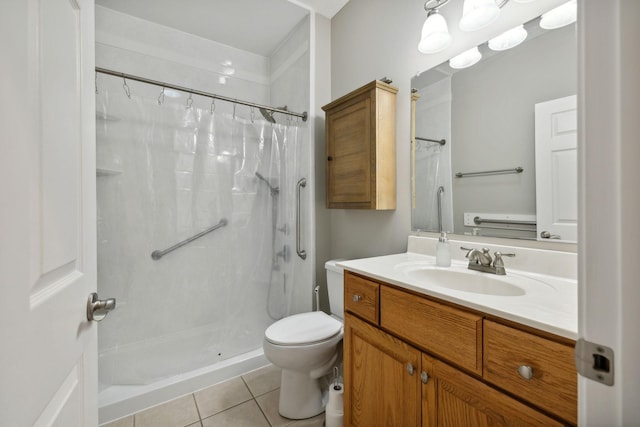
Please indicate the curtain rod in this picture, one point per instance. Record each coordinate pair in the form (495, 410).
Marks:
(198, 92)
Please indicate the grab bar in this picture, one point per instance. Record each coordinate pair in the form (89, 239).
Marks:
(437, 141)
(301, 252)
(495, 172)
(479, 220)
(157, 254)
(440, 191)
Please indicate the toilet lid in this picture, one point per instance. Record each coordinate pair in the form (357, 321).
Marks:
(303, 328)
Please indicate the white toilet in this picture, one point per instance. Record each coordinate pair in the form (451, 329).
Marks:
(306, 347)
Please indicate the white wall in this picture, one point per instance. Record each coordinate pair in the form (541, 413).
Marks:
(376, 38)
(135, 46)
(289, 70)
(320, 95)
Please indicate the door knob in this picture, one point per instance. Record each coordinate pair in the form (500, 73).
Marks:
(97, 309)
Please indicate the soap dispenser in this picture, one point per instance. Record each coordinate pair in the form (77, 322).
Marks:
(443, 253)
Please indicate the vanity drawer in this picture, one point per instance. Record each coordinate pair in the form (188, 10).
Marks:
(447, 332)
(361, 297)
(553, 384)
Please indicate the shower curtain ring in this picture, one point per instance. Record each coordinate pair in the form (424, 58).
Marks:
(190, 102)
(161, 97)
(126, 88)
(234, 111)
(97, 83)
(213, 105)
(253, 114)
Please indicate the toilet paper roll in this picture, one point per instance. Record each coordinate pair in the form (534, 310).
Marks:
(334, 413)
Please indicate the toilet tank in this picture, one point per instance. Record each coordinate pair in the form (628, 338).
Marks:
(335, 287)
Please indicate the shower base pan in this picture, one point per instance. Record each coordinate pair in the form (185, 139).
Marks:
(117, 401)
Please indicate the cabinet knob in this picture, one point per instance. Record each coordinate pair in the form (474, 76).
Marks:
(525, 371)
(424, 377)
(357, 298)
(410, 369)
(330, 158)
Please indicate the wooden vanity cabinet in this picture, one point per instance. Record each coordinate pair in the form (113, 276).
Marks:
(390, 383)
(360, 134)
(422, 362)
(382, 377)
(457, 399)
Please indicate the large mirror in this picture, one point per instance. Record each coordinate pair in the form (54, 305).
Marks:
(494, 144)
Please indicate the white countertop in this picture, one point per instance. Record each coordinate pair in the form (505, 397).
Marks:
(549, 303)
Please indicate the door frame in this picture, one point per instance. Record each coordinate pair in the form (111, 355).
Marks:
(609, 203)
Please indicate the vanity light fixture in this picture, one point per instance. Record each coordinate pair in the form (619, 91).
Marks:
(435, 32)
(466, 58)
(508, 39)
(562, 15)
(478, 14)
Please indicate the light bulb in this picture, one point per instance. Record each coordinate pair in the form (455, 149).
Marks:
(508, 39)
(435, 34)
(477, 14)
(466, 58)
(562, 15)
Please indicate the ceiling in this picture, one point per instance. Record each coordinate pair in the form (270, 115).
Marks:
(256, 26)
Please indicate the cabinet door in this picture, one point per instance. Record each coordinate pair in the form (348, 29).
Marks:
(380, 390)
(465, 401)
(349, 155)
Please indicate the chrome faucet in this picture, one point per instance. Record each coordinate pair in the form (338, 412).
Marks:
(481, 260)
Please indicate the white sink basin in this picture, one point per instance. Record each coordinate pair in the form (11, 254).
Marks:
(461, 279)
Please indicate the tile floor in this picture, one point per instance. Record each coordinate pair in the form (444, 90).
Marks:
(250, 400)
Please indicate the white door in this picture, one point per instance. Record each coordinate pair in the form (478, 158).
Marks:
(609, 271)
(48, 360)
(556, 124)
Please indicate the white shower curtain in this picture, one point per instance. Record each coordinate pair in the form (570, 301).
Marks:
(167, 171)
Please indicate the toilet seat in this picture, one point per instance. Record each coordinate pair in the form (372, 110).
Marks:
(303, 328)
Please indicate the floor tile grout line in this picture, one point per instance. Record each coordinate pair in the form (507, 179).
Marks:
(255, 396)
(195, 401)
(247, 386)
(231, 407)
(263, 414)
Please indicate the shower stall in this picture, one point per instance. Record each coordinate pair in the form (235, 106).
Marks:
(200, 213)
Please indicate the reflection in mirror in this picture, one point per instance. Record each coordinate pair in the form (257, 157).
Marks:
(508, 167)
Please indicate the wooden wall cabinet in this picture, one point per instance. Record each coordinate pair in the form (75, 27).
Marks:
(401, 373)
(360, 139)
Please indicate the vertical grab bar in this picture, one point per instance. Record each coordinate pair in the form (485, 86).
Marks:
(440, 191)
(301, 252)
